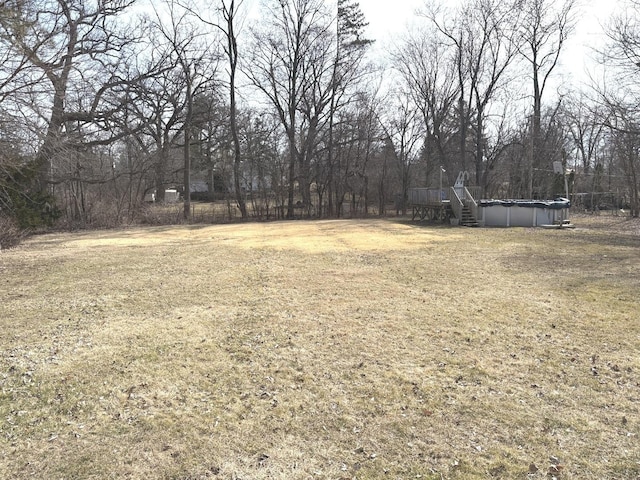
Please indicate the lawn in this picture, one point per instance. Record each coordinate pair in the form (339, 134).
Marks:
(322, 350)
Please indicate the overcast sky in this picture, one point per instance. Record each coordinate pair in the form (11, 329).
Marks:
(389, 19)
(385, 21)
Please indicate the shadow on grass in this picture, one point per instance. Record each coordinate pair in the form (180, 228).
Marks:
(612, 239)
(53, 239)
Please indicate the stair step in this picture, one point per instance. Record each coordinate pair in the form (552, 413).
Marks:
(467, 219)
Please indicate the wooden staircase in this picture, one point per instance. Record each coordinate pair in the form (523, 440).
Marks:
(467, 218)
(456, 204)
(463, 205)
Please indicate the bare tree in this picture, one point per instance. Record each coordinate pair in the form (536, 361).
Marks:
(17, 74)
(483, 37)
(428, 71)
(258, 132)
(544, 29)
(76, 46)
(227, 24)
(159, 112)
(626, 150)
(622, 51)
(229, 17)
(404, 130)
(355, 137)
(191, 55)
(621, 99)
(78, 63)
(585, 122)
(290, 65)
(348, 71)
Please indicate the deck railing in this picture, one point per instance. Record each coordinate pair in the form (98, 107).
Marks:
(457, 197)
(428, 196)
(456, 203)
(461, 197)
(471, 202)
(475, 192)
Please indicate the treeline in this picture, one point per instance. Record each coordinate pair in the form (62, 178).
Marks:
(107, 104)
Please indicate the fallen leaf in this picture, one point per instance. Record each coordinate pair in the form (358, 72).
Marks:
(262, 458)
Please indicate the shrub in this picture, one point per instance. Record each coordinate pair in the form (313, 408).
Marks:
(10, 234)
(30, 207)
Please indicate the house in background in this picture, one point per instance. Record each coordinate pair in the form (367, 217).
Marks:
(171, 195)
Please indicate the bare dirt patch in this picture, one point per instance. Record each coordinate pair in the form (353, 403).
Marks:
(332, 349)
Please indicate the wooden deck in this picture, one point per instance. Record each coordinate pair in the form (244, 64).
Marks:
(428, 196)
(430, 204)
(443, 204)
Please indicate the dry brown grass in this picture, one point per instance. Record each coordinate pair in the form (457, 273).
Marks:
(331, 350)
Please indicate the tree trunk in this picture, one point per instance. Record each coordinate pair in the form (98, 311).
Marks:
(292, 173)
(232, 52)
(187, 154)
(463, 136)
(481, 172)
(43, 161)
(536, 127)
(159, 177)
